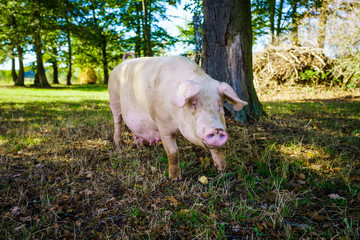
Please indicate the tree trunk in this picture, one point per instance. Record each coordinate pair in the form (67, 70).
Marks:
(55, 66)
(138, 31)
(147, 29)
(198, 41)
(13, 70)
(278, 26)
(39, 62)
(36, 79)
(227, 47)
(324, 11)
(21, 78)
(104, 59)
(295, 24)
(272, 8)
(69, 74)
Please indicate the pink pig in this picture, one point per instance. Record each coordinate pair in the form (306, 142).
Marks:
(160, 97)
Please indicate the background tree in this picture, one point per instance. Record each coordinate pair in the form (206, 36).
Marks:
(228, 51)
(140, 22)
(13, 34)
(324, 13)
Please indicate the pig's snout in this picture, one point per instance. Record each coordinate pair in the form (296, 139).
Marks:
(215, 138)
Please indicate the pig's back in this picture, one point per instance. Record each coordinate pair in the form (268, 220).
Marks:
(145, 86)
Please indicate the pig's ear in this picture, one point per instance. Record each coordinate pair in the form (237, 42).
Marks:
(185, 91)
(226, 91)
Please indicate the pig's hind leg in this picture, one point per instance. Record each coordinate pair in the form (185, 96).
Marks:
(116, 111)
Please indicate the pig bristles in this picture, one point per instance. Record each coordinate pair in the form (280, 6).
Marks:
(128, 54)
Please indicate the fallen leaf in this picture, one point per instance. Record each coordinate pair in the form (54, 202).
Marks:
(15, 211)
(213, 215)
(271, 196)
(173, 201)
(310, 155)
(78, 222)
(26, 219)
(205, 195)
(204, 180)
(357, 179)
(184, 211)
(315, 215)
(65, 197)
(301, 182)
(301, 176)
(86, 192)
(205, 161)
(335, 196)
(155, 207)
(316, 167)
(90, 175)
(299, 225)
(19, 228)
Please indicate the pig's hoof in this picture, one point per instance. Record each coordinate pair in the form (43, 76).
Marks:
(175, 178)
(118, 144)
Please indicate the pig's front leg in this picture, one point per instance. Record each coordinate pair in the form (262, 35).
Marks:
(169, 142)
(219, 159)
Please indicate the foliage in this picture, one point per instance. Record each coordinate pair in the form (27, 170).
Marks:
(99, 30)
(313, 76)
(294, 175)
(5, 75)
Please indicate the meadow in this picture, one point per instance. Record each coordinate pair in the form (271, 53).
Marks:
(294, 174)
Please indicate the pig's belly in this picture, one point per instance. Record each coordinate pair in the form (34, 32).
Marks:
(142, 126)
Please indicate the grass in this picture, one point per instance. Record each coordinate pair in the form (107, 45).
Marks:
(292, 175)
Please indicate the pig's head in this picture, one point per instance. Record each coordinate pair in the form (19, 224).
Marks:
(201, 113)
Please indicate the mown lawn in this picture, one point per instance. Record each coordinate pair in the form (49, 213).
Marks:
(293, 175)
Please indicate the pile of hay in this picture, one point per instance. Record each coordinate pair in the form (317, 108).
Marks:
(291, 65)
(87, 76)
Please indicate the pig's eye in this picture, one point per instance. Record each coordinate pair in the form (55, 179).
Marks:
(193, 104)
(219, 106)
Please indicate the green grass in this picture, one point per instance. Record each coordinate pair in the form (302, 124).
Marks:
(293, 175)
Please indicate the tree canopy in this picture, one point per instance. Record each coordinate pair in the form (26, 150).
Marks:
(80, 33)
(84, 33)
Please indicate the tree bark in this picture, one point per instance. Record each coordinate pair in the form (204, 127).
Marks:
(55, 66)
(20, 81)
(227, 47)
(69, 74)
(105, 60)
(149, 51)
(138, 30)
(39, 61)
(295, 23)
(324, 12)
(278, 26)
(68, 39)
(272, 8)
(13, 70)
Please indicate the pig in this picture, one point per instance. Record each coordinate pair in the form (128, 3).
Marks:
(160, 97)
